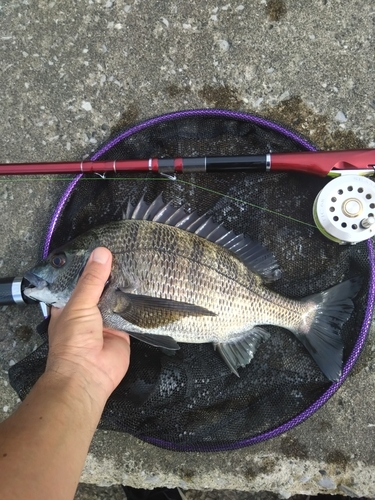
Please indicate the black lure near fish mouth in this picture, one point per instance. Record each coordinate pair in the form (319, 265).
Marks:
(179, 277)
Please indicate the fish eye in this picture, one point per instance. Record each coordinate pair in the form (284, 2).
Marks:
(58, 260)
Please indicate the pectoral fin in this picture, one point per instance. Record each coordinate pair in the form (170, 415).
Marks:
(240, 352)
(153, 312)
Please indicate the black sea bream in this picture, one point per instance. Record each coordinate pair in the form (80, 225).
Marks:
(178, 277)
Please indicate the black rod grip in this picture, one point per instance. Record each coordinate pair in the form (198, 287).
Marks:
(11, 291)
(236, 163)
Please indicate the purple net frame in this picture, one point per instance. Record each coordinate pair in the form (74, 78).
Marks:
(371, 292)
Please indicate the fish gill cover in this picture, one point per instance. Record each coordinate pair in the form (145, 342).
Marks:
(191, 400)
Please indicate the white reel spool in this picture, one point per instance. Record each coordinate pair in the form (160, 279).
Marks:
(344, 210)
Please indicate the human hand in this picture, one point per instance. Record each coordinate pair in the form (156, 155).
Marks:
(79, 346)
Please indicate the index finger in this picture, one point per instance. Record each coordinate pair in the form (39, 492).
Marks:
(93, 279)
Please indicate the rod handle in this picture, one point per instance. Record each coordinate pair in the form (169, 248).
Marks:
(11, 291)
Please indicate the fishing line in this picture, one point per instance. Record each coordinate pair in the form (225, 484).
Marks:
(166, 179)
(247, 203)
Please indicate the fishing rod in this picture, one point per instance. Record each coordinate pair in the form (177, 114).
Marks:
(11, 291)
(344, 211)
(322, 163)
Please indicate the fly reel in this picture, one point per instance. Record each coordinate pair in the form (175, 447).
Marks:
(344, 210)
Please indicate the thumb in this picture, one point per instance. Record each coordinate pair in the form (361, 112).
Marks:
(93, 279)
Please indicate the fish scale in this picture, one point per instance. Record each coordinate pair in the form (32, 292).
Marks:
(170, 283)
(208, 273)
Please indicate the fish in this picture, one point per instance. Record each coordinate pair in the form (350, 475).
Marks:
(180, 277)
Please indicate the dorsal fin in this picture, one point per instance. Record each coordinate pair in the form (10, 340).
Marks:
(253, 254)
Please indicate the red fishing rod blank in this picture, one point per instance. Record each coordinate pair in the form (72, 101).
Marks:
(322, 163)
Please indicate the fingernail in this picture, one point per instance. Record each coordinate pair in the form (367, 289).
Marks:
(100, 255)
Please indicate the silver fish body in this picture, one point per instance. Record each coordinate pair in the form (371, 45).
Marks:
(177, 277)
(186, 268)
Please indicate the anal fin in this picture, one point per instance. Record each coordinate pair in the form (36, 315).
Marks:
(239, 352)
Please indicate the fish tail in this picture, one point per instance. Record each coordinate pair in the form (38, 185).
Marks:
(320, 329)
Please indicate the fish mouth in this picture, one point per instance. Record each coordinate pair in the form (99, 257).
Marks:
(39, 289)
(35, 281)
(36, 287)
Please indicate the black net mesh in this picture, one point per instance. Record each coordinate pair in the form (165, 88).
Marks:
(191, 400)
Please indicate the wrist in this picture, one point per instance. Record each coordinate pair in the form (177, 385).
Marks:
(75, 393)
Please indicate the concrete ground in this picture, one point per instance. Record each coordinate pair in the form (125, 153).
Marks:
(73, 71)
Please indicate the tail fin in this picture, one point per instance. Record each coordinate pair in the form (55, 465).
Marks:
(320, 330)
